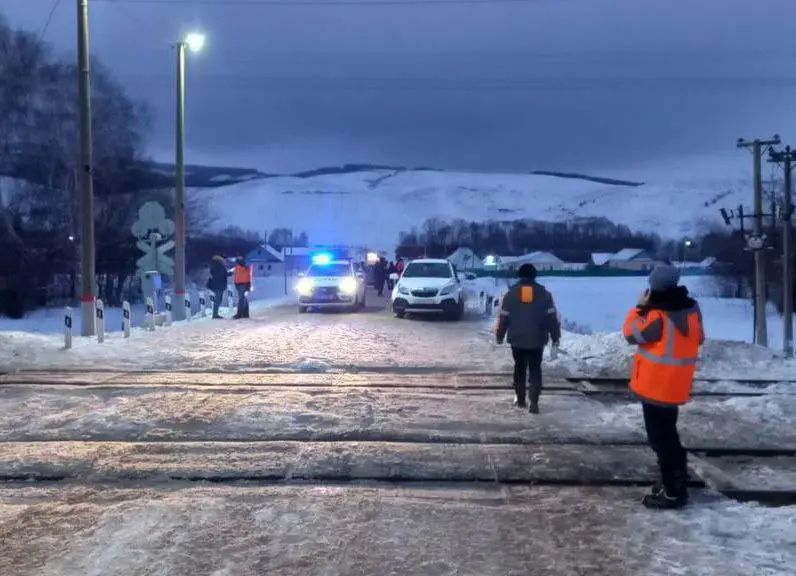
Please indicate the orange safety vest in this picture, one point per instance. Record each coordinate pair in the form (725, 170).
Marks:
(243, 274)
(663, 371)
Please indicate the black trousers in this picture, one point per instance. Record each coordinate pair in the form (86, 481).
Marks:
(218, 298)
(243, 302)
(661, 425)
(527, 368)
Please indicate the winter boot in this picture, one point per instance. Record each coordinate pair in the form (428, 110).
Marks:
(668, 498)
(534, 407)
(664, 501)
(519, 401)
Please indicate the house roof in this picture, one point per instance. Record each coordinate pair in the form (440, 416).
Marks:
(539, 256)
(627, 254)
(600, 258)
(265, 253)
(463, 251)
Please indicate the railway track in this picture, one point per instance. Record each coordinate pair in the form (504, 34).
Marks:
(401, 459)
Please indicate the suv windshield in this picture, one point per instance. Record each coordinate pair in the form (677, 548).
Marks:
(428, 270)
(329, 270)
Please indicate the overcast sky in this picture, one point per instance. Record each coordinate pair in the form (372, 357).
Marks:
(501, 86)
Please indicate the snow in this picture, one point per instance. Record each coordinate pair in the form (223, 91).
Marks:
(268, 291)
(592, 311)
(182, 529)
(373, 208)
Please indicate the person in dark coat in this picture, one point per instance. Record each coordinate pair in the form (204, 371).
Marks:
(217, 283)
(380, 275)
(390, 271)
(529, 318)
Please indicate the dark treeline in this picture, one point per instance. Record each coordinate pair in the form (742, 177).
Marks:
(39, 196)
(573, 241)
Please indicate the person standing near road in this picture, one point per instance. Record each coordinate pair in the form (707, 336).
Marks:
(528, 316)
(666, 325)
(242, 277)
(380, 275)
(217, 283)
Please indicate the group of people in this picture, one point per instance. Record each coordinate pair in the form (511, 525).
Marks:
(219, 278)
(665, 325)
(382, 274)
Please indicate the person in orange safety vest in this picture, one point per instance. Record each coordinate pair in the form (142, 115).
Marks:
(242, 278)
(666, 325)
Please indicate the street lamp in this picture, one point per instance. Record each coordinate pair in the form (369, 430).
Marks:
(193, 42)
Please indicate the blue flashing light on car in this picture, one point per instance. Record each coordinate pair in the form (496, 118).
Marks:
(322, 259)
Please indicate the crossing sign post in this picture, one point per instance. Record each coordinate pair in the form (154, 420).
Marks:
(151, 229)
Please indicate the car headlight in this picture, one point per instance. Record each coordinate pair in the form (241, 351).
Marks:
(347, 285)
(305, 286)
(403, 290)
(449, 289)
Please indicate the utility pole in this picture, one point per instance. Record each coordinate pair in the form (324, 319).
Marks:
(179, 206)
(787, 159)
(757, 146)
(88, 289)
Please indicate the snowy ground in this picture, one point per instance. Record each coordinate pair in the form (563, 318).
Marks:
(278, 337)
(267, 292)
(126, 445)
(341, 208)
(187, 530)
(326, 407)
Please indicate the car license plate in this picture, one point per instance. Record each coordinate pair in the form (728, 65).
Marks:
(325, 296)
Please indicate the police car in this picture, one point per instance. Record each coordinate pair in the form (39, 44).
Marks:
(331, 283)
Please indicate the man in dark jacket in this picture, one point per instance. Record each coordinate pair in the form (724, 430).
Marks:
(380, 275)
(217, 283)
(529, 318)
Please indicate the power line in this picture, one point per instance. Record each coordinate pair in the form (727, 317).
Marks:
(531, 84)
(49, 20)
(294, 3)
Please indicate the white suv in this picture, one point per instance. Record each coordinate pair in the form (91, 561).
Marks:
(331, 284)
(429, 286)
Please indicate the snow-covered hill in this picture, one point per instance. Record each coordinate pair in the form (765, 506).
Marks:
(373, 207)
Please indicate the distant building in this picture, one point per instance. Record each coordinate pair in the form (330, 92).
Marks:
(542, 261)
(600, 258)
(632, 259)
(497, 262)
(465, 259)
(266, 261)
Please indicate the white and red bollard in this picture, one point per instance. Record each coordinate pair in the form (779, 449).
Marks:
(150, 313)
(126, 320)
(168, 310)
(67, 328)
(100, 321)
(203, 303)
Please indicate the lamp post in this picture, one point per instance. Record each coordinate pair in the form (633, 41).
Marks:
(88, 290)
(193, 42)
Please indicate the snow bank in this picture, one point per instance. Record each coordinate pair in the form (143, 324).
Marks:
(51, 320)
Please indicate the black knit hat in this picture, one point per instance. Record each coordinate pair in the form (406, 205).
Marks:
(527, 272)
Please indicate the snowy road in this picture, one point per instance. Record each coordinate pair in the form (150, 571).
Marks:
(328, 407)
(184, 529)
(358, 444)
(131, 452)
(278, 338)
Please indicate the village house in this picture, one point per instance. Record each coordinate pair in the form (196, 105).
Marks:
(266, 261)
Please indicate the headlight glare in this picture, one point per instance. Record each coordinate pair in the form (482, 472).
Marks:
(348, 285)
(305, 286)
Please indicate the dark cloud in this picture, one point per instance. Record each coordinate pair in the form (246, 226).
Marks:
(566, 84)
